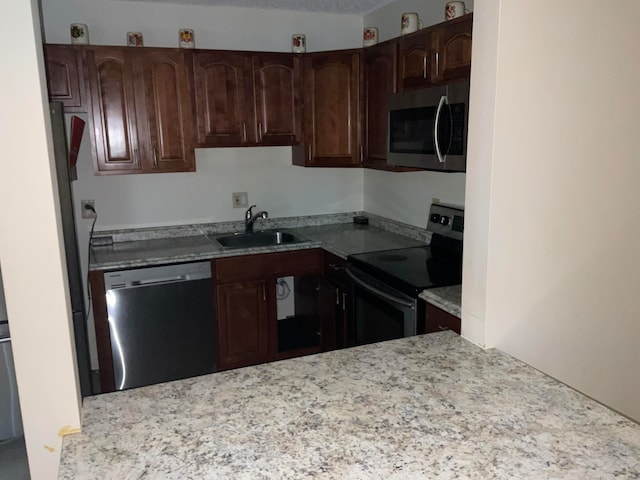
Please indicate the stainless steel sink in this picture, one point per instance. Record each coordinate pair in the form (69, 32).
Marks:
(258, 239)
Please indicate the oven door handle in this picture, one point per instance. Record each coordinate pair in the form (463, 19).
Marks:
(380, 293)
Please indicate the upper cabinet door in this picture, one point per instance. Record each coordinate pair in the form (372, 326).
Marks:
(415, 60)
(452, 42)
(65, 79)
(278, 84)
(168, 105)
(223, 97)
(114, 111)
(332, 109)
(380, 73)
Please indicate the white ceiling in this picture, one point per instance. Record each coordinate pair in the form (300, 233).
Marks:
(348, 7)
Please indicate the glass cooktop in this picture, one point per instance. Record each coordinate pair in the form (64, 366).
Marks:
(412, 270)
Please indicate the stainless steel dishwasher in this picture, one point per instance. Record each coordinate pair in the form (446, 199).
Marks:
(161, 323)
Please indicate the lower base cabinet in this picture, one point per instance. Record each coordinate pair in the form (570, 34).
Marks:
(268, 307)
(437, 320)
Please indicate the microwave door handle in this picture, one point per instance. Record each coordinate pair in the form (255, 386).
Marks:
(443, 100)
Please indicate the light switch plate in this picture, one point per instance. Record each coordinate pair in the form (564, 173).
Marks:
(240, 199)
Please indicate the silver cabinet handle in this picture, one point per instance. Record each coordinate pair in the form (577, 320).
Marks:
(309, 152)
(244, 132)
(344, 301)
(335, 267)
(155, 157)
(424, 67)
(260, 131)
(437, 63)
(337, 296)
(441, 158)
(361, 153)
(264, 292)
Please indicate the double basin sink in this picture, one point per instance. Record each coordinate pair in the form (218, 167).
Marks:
(264, 238)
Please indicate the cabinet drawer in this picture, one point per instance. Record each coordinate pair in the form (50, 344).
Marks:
(334, 269)
(438, 320)
(279, 264)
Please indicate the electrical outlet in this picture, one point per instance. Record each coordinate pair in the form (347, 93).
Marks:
(87, 213)
(240, 199)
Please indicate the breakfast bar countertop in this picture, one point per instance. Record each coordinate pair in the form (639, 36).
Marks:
(428, 406)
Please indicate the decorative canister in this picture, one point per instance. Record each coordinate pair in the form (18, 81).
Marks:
(187, 38)
(298, 43)
(79, 34)
(369, 36)
(134, 39)
(454, 10)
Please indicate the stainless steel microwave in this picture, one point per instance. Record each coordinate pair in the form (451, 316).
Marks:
(428, 128)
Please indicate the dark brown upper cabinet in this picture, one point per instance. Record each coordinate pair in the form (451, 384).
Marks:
(332, 105)
(380, 81)
(436, 54)
(141, 117)
(65, 76)
(278, 86)
(246, 99)
(452, 42)
(415, 60)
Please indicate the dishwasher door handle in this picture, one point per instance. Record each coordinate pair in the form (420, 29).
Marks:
(156, 281)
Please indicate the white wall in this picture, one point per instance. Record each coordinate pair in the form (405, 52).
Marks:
(219, 28)
(406, 197)
(387, 18)
(563, 258)
(31, 250)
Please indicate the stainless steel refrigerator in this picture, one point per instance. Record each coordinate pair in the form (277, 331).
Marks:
(71, 248)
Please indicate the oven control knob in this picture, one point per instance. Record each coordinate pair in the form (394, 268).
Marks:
(444, 220)
(435, 218)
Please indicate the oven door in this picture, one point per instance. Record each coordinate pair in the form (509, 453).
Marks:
(378, 312)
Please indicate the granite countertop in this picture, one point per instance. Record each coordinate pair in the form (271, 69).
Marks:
(428, 406)
(446, 298)
(341, 239)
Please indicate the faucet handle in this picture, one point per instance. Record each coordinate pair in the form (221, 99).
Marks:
(248, 213)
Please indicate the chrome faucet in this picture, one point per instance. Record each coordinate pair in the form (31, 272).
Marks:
(250, 219)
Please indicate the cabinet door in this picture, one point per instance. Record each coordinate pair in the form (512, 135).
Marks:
(332, 109)
(415, 60)
(168, 105)
(243, 329)
(453, 49)
(379, 82)
(116, 111)
(278, 85)
(65, 78)
(437, 320)
(223, 97)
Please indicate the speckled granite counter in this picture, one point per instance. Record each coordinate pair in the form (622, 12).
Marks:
(431, 406)
(342, 239)
(446, 298)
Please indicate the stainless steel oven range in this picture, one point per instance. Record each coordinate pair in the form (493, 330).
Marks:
(385, 285)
